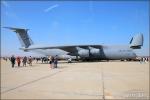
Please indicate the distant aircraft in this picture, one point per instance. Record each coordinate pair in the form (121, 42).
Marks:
(84, 52)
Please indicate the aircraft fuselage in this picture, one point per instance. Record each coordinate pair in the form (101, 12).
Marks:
(102, 53)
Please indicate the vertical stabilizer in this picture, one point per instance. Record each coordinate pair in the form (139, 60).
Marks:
(136, 41)
(23, 36)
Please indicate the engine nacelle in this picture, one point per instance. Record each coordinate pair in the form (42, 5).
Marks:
(83, 53)
(95, 52)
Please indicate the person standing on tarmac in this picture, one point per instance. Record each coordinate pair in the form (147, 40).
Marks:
(12, 59)
(30, 61)
(24, 61)
(55, 61)
(50, 61)
(18, 61)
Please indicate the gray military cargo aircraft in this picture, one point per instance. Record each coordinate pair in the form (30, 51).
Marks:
(84, 52)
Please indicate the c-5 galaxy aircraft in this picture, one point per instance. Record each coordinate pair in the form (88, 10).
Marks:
(84, 52)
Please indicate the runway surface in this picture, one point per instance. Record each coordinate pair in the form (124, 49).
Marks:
(86, 80)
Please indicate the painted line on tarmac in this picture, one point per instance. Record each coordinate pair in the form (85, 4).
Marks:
(30, 82)
(103, 85)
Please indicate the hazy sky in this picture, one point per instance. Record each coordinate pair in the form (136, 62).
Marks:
(72, 22)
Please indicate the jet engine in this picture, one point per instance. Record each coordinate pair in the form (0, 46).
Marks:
(95, 52)
(83, 53)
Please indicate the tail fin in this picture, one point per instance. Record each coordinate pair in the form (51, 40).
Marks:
(136, 41)
(23, 36)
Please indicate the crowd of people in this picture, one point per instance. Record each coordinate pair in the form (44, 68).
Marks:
(19, 59)
(28, 60)
(144, 59)
(52, 60)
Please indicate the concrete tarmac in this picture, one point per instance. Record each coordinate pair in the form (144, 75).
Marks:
(84, 80)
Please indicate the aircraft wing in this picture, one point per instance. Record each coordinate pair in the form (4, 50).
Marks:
(70, 49)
